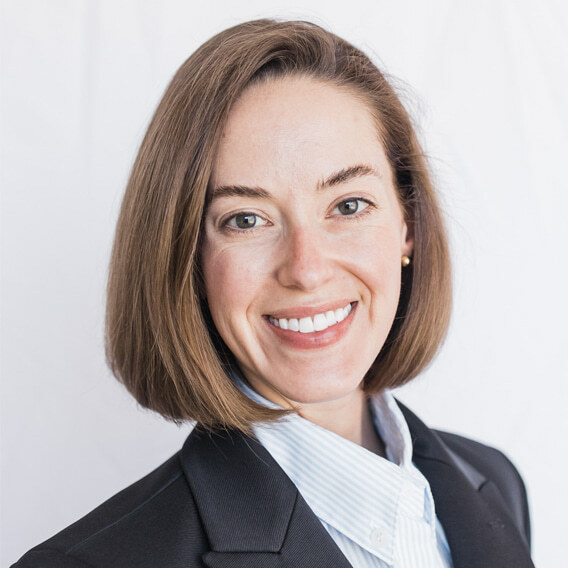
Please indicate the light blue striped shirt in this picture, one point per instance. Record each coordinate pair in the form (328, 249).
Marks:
(380, 512)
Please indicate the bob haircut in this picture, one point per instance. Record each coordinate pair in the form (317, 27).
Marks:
(160, 340)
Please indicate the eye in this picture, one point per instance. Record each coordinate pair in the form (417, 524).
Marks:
(351, 206)
(245, 221)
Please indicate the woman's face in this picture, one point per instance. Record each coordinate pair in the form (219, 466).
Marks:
(303, 240)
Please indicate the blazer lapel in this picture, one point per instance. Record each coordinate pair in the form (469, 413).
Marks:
(479, 531)
(251, 511)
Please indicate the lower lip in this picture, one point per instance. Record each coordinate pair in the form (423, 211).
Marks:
(315, 339)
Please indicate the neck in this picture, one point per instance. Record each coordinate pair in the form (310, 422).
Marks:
(349, 417)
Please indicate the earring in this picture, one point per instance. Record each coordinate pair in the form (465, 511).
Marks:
(405, 260)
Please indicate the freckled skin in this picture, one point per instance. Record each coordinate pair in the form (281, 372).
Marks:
(286, 136)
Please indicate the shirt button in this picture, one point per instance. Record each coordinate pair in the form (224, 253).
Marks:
(377, 537)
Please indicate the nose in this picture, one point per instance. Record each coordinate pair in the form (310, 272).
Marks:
(305, 260)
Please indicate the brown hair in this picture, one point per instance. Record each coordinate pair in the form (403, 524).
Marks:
(160, 341)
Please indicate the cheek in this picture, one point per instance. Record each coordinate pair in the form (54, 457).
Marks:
(232, 278)
(374, 256)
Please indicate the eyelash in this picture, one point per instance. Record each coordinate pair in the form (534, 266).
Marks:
(357, 214)
(352, 217)
(225, 223)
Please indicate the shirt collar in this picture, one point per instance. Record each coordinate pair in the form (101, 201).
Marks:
(335, 475)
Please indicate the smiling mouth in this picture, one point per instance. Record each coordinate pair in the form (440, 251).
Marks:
(319, 322)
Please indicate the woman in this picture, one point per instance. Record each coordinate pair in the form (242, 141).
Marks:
(280, 263)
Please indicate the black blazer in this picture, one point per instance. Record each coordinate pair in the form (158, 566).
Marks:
(223, 501)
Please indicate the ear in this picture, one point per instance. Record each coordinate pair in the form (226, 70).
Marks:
(407, 237)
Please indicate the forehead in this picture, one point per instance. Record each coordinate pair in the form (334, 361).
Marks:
(292, 129)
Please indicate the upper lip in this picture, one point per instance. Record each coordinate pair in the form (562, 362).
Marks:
(300, 312)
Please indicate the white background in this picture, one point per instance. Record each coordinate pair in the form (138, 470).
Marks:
(486, 82)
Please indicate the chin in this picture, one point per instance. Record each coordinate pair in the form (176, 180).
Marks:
(307, 390)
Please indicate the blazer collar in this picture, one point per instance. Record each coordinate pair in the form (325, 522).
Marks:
(251, 511)
(479, 530)
(254, 516)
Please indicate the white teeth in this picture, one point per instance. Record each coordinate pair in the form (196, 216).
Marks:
(318, 323)
(306, 325)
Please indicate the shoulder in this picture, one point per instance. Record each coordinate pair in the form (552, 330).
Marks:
(493, 463)
(133, 528)
(495, 467)
(487, 470)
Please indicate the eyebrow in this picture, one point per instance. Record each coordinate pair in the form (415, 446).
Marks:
(347, 174)
(341, 176)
